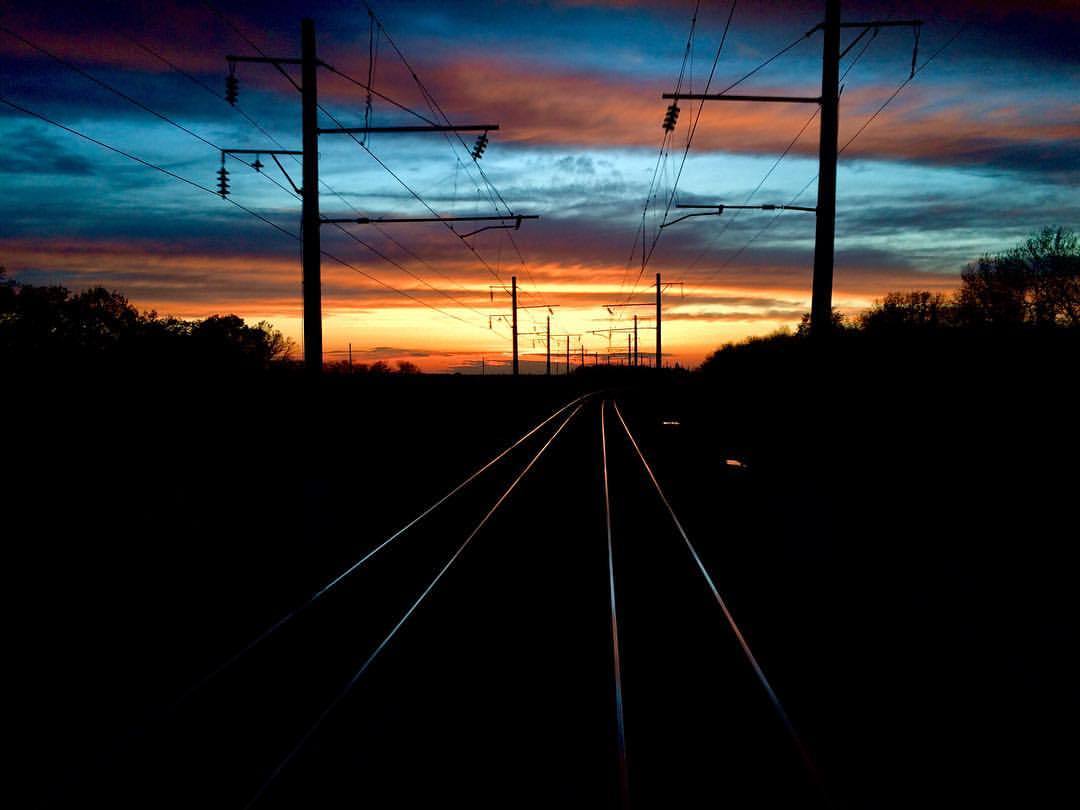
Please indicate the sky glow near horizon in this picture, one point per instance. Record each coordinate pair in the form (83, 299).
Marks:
(979, 150)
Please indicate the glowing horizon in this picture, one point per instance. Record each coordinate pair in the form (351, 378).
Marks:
(978, 151)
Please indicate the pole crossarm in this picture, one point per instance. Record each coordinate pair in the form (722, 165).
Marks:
(881, 24)
(762, 207)
(541, 306)
(734, 97)
(612, 306)
(871, 24)
(717, 210)
(393, 220)
(417, 128)
(266, 60)
(261, 152)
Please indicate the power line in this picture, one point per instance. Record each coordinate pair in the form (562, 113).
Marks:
(416, 195)
(668, 134)
(904, 84)
(197, 81)
(242, 207)
(404, 618)
(494, 194)
(188, 131)
(889, 100)
(776, 163)
(326, 112)
(645, 257)
(404, 269)
(368, 88)
(343, 199)
(146, 163)
(132, 100)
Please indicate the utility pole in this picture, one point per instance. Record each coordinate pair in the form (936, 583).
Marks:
(311, 219)
(825, 234)
(567, 354)
(513, 301)
(548, 372)
(828, 152)
(515, 334)
(659, 341)
(311, 245)
(633, 356)
(636, 358)
(350, 359)
(583, 355)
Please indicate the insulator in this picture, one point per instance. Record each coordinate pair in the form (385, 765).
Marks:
(232, 88)
(223, 182)
(481, 145)
(671, 117)
(257, 165)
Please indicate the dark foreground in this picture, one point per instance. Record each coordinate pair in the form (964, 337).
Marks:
(898, 556)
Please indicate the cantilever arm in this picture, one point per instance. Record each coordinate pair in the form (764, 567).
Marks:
(515, 227)
(715, 213)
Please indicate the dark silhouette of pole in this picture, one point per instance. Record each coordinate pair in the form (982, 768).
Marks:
(824, 247)
(350, 358)
(659, 341)
(637, 358)
(513, 303)
(567, 354)
(825, 230)
(548, 345)
(583, 355)
(311, 247)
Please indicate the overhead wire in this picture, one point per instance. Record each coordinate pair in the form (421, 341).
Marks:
(690, 137)
(252, 212)
(131, 99)
(341, 197)
(640, 232)
(772, 220)
(494, 195)
(787, 149)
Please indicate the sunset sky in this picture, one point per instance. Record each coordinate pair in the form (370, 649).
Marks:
(981, 148)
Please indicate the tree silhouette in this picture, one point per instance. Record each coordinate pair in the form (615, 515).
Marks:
(839, 323)
(1037, 283)
(49, 324)
(918, 309)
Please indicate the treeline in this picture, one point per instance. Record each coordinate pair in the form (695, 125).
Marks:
(49, 327)
(1028, 293)
(378, 368)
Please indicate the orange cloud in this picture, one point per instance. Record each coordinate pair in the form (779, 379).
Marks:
(541, 105)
